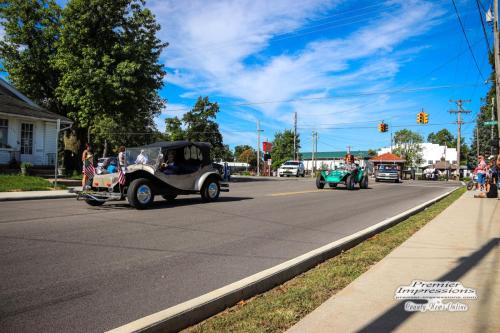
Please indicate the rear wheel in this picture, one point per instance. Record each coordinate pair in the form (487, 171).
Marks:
(350, 182)
(210, 190)
(320, 182)
(140, 193)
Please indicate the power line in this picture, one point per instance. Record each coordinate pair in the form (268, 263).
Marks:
(467, 39)
(482, 24)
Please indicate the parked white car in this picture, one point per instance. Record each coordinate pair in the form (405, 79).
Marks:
(292, 168)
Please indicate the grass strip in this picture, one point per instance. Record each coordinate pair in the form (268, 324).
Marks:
(17, 183)
(280, 308)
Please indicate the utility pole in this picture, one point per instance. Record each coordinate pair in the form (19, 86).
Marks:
(312, 155)
(459, 112)
(295, 135)
(497, 63)
(258, 147)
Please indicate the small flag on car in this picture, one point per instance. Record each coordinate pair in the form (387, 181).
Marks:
(121, 176)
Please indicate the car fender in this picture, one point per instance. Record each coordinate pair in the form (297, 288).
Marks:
(204, 177)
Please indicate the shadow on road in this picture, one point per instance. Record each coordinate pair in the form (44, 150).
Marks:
(160, 204)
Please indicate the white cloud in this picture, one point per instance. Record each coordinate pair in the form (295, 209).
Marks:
(211, 44)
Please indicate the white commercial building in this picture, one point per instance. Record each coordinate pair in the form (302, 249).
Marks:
(431, 153)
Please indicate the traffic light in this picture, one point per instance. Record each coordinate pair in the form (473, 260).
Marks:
(382, 127)
(419, 118)
(425, 118)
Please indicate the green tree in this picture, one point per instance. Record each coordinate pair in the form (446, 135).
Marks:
(173, 129)
(443, 138)
(407, 144)
(107, 54)
(200, 125)
(248, 156)
(239, 149)
(31, 30)
(486, 146)
(227, 154)
(283, 147)
(372, 152)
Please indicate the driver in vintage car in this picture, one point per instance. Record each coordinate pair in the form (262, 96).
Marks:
(350, 164)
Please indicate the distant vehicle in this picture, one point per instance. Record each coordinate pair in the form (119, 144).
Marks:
(292, 168)
(168, 169)
(388, 172)
(350, 175)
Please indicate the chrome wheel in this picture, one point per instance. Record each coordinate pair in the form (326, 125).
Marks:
(212, 190)
(144, 194)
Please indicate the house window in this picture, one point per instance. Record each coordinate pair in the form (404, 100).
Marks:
(27, 139)
(4, 131)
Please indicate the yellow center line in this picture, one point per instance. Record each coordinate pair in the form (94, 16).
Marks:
(293, 193)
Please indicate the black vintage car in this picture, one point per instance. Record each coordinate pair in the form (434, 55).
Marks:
(168, 169)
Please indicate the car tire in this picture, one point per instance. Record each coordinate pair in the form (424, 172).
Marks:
(140, 193)
(94, 203)
(349, 182)
(169, 197)
(210, 190)
(303, 174)
(320, 182)
(364, 183)
(377, 180)
(396, 181)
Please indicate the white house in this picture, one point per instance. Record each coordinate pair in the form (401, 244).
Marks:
(432, 153)
(27, 131)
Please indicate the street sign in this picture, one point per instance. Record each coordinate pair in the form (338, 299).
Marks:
(490, 123)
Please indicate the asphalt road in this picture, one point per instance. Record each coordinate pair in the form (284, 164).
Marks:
(69, 267)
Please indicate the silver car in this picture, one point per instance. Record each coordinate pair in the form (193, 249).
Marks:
(388, 172)
(167, 169)
(292, 168)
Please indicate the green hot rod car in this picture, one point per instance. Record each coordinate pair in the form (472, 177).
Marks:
(348, 174)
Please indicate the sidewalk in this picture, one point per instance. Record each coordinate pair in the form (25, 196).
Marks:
(461, 244)
(37, 195)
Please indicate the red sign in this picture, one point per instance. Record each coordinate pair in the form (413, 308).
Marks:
(267, 147)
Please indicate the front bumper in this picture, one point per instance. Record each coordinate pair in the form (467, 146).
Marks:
(289, 172)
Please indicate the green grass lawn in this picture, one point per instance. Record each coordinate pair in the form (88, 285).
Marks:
(282, 307)
(16, 183)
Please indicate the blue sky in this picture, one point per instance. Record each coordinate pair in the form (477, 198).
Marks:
(343, 66)
(354, 62)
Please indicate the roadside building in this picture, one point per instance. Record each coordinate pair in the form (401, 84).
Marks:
(330, 159)
(431, 153)
(27, 131)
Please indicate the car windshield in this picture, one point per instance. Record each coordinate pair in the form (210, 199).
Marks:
(388, 167)
(149, 156)
(291, 163)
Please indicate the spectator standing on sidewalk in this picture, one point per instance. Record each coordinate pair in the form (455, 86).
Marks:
(492, 181)
(481, 172)
(87, 153)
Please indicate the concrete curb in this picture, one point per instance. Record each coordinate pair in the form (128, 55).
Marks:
(34, 197)
(197, 309)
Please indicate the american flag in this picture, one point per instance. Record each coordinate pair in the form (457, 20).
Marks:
(121, 176)
(89, 169)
